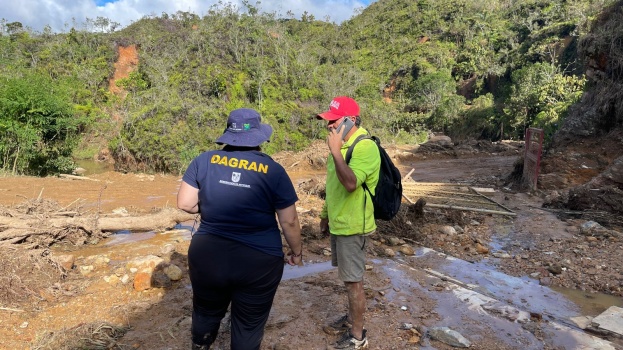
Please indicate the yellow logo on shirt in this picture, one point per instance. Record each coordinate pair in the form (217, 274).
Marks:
(239, 163)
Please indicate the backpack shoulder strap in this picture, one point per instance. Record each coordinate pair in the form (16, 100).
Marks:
(349, 152)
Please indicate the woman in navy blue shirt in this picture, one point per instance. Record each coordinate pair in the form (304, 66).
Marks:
(236, 255)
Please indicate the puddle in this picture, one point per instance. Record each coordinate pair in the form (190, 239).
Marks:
(503, 304)
(183, 230)
(123, 237)
(521, 292)
(93, 167)
(590, 304)
(586, 304)
(459, 309)
(291, 272)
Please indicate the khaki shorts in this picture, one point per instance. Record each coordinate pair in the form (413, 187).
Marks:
(348, 253)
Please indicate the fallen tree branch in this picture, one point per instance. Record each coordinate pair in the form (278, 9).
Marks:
(74, 177)
(9, 309)
(26, 226)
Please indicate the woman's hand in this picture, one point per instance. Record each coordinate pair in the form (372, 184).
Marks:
(295, 259)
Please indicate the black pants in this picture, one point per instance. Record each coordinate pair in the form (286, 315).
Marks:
(224, 271)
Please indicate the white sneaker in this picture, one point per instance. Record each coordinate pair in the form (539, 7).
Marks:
(349, 342)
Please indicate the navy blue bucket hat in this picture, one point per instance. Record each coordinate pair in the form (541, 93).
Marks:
(244, 129)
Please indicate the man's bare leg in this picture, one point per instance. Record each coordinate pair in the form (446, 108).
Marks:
(356, 306)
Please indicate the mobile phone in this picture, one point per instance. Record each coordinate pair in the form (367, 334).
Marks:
(345, 125)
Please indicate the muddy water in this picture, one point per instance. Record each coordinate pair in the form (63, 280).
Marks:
(588, 304)
(482, 298)
(93, 167)
(523, 293)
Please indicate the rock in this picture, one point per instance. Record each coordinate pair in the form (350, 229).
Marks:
(66, 261)
(112, 279)
(121, 211)
(481, 249)
(448, 230)
(160, 280)
(150, 261)
(79, 171)
(173, 272)
(591, 228)
(393, 241)
(415, 339)
(406, 326)
(167, 249)
(86, 270)
(555, 269)
(99, 260)
(389, 252)
(610, 320)
(441, 140)
(406, 250)
(449, 336)
(582, 321)
(142, 280)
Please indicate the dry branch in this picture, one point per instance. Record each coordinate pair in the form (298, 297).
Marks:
(74, 177)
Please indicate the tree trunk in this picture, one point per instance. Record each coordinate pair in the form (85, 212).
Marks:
(16, 228)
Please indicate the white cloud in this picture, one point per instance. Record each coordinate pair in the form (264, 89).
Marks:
(61, 15)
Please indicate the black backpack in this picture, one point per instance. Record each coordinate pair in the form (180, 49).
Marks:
(388, 195)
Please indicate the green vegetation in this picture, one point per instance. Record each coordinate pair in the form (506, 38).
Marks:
(470, 68)
(38, 126)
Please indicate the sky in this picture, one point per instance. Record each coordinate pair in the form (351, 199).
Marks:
(61, 15)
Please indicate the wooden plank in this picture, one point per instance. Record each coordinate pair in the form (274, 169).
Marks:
(471, 209)
(412, 190)
(456, 199)
(491, 200)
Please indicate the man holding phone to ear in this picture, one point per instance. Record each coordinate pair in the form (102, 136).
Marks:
(348, 213)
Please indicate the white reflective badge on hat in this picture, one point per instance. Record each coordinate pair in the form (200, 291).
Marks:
(235, 177)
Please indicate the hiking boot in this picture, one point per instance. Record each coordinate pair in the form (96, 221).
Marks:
(349, 342)
(338, 326)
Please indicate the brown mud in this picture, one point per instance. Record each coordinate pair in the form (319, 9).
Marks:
(489, 278)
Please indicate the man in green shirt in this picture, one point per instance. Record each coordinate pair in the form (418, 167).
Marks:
(348, 212)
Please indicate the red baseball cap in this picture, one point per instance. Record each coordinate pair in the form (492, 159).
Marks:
(341, 106)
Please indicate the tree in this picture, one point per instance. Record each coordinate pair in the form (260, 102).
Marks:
(38, 129)
(540, 97)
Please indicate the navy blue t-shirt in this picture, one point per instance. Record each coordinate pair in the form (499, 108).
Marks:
(239, 192)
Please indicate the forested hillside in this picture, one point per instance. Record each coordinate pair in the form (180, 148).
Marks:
(469, 68)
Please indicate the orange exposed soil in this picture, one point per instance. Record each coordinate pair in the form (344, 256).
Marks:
(126, 62)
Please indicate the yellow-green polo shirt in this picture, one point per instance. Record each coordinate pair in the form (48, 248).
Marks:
(344, 209)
